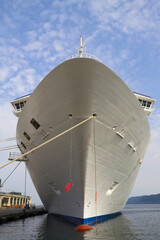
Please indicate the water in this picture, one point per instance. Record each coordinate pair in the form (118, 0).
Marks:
(137, 222)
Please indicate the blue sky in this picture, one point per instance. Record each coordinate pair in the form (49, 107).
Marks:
(35, 36)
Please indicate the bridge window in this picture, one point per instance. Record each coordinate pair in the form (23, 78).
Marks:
(23, 145)
(148, 104)
(35, 123)
(22, 104)
(17, 106)
(144, 103)
(27, 136)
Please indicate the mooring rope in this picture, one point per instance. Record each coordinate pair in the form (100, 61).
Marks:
(11, 173)
(71, 153)
(95, 158)
(8, 148)
(14, 138)
(50, 140)
(8, 139)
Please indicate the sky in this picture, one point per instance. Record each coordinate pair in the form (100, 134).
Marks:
(36, 36)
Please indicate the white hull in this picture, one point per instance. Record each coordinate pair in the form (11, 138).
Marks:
(82, 87)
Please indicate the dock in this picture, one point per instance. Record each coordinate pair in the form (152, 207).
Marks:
(13, 214)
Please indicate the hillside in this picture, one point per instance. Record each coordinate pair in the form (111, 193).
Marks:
(147, 199)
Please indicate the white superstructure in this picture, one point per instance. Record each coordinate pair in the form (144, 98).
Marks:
(102, 157)
(146, 102)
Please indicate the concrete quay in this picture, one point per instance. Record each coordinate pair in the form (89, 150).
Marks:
(13, 214)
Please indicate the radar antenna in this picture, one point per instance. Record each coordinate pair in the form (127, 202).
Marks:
(80, 51)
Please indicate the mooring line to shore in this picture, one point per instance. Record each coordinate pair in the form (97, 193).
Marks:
(50, 140)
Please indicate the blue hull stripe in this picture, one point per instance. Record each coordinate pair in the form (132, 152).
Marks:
(91, 220)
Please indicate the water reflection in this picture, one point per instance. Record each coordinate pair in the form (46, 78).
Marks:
(135, 223)
(57, 228)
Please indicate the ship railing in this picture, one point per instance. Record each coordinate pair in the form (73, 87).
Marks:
(85, 55)
(16, 112)
(148, 110)
(13, 155)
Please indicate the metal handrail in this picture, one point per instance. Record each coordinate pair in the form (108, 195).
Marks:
(85, 55)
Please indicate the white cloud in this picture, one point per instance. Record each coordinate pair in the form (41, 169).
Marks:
(15, 41)
(33, 46)
(11, 55)
(49, 14)
(31, 35)
(27, 76)
(22, 83)
(47, 25)
(8, 21)
(15, 67)
(47, 36)
(58, 46)
(4, 73)
(129, 17)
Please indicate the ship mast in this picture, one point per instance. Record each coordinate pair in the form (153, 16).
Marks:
(81, 47)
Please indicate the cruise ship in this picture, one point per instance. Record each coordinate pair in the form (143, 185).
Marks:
(85, 174)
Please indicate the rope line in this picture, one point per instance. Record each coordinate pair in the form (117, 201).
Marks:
(94, 133)
(25, 180)
(8, 148)
(50, 140)
(8, 139)
(11, 173)
(14, 138)
(71, 154)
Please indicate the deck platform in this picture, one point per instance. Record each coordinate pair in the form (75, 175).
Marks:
(13, 214)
